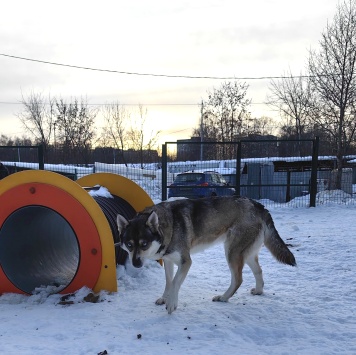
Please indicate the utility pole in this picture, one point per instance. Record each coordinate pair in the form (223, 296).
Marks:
(201, 130)
(54, 134)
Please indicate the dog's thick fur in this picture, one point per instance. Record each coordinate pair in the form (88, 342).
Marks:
(173, 230)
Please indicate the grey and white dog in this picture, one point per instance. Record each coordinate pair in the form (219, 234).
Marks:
(173, 230)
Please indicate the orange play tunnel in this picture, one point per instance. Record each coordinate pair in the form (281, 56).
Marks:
(54, 234)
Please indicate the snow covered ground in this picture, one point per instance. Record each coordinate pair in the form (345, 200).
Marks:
(309, 309)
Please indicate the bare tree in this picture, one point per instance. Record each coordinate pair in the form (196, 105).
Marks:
(225, 111)
(38, 117)
(141, 138)
(225, 115)
(6, 140)
(75, 126)
(262, 126)
(292, 96)
(115, 133)
(333, 79)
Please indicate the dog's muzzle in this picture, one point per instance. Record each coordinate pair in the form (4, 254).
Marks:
(136, 262)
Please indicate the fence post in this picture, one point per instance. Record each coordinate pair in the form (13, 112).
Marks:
(238, 169)
(40, 157)
(164, 171)
(314, 173)
(288, 186)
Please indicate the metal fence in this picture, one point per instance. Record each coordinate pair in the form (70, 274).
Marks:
(251, 167)
(256, 169)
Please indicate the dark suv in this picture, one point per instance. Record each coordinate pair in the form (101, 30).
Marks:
(199, 184)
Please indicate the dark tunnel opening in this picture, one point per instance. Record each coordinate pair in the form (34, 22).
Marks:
(38, 248)
(111, 207)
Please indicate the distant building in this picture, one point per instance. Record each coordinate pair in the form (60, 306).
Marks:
(188, 151)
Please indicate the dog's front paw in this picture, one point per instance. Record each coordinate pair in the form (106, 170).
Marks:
(160, 301)
(220, 298)
(171, 304)
(255, 291)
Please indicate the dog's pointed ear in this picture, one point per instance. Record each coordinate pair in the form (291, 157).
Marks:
(122, 223)
(152, 221)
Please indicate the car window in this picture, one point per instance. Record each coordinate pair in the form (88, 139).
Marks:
(222, 179)
(215, 178)
(192, 178)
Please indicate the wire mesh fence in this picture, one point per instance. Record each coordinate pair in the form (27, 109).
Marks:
(267, 176)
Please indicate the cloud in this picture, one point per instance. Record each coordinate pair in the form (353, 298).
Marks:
(199, 38)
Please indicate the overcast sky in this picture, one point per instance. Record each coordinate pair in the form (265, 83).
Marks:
(215, 38)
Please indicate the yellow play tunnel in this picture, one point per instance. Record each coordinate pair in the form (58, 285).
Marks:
(54, 234)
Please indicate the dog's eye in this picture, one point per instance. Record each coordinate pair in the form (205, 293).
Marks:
(129, 245)
(144, 244)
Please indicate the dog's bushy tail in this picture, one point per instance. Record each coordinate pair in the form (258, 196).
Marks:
(275, 243)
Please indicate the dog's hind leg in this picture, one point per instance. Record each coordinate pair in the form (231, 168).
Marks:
(252, 262)
(169, 270)
(236, 264)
